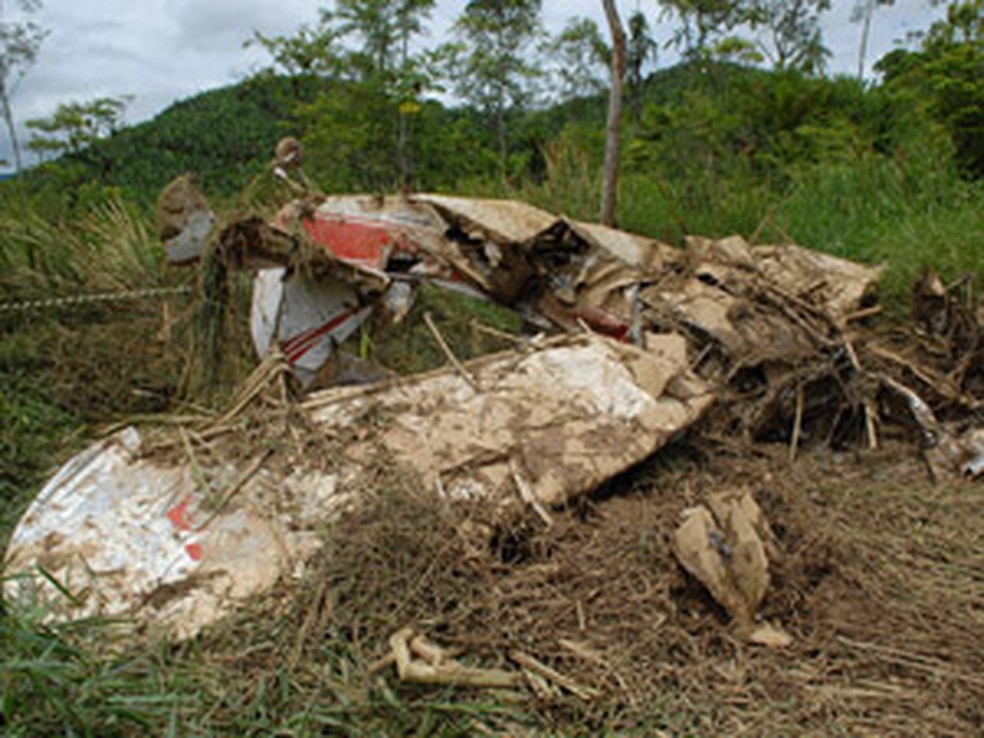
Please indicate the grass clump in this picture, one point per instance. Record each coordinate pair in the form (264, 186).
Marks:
(54, 683)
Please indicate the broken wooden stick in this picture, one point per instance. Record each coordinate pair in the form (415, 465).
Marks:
(527, 494)
(797, 425)
(448, 353)
(868, 408)
(496, 333)
(431, 652)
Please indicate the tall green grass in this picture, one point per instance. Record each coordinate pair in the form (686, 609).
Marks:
(881, 211)
(66, 368)
(52, 684)
(111, 247)
(874, 209)
(54, 681)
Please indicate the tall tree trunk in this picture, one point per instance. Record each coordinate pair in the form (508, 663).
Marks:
(403, 133)
(609, 191)
(500, 124)
(869, 9)
(8, 119)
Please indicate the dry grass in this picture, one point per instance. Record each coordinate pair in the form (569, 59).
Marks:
(880, 583)
(111, 248)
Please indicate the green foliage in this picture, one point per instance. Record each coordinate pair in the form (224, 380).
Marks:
(946, 78)
(792, 28)
(63, 370)
(583, 58)
(700, 22)
(489, 68)
(901, 214)
(55, 682)
(110, 248)
(224, 136)
(310, 52)
(32, 421)
(641, 48)
(361, 120)
(350, 134)
(737, 50)
(410, 347)
(572, 161)
(53, 685)
(383, 29)
(75, 126)
(20, 42)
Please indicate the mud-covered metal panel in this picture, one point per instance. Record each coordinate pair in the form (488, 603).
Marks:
(139, 534)
(503, 221)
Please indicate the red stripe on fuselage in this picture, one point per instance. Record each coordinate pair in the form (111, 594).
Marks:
(310, 338)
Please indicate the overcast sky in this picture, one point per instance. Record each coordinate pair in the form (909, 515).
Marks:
(159, 51)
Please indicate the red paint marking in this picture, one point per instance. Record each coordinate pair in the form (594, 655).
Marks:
(178, 515)
(604, 323)
(294, 341)
(309, 335)
(297, 349)
(194, 551)
(363, 244)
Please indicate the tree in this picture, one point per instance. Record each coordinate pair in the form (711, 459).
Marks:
(613, 131)
(862, 12)
(963, 26)
(382, 31)
(640, 49)
(364, 84)
(75, 126)
(580, 52)
(738, 50)
(702, 21)
(309, 52)
(19, 46)
(384, 28)
(947, 76)
(490, 68)
(793, 32)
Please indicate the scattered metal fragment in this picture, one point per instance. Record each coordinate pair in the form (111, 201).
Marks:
(727, 544)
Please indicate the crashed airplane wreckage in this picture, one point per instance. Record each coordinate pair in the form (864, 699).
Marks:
(173, 528)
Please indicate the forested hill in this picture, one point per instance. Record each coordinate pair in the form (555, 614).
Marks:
(220, 134)
(709, 117)
(227, 135)
(710, 146)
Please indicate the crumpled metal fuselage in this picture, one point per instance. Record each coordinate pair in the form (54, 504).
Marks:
(357, 254)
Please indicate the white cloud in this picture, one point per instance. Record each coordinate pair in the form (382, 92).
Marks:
(221, 26)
